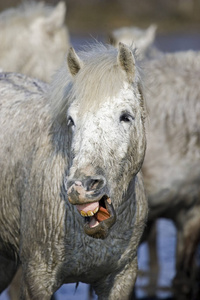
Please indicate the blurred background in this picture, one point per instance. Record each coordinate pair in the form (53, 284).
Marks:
(96, 18)
(104, 15)
(178, 28)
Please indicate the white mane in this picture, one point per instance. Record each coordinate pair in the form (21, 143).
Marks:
(99, 78)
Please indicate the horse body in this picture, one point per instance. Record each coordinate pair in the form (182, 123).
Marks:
(171, 167)
(61, 140)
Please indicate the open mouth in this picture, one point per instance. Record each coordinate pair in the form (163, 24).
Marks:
(99, 217)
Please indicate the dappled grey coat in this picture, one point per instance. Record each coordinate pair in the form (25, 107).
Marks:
(44, 135)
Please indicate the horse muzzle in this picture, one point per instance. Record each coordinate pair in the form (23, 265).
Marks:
(93, 203)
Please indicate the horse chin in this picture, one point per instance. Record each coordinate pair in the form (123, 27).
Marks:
(98, 226)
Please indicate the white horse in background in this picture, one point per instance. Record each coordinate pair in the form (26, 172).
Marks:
(33, 39)
(172, 164)
(143, 39)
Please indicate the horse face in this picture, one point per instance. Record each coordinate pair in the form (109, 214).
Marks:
(107, 150)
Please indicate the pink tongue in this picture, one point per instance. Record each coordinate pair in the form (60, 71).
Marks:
(89, 206)
(93, 222)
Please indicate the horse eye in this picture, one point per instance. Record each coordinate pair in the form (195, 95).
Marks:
(70, 121)
(126, 117)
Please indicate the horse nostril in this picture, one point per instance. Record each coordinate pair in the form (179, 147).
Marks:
(89, 184)
(93, 184)
(76, 183)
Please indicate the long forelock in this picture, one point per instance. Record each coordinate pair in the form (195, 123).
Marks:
(100, 78)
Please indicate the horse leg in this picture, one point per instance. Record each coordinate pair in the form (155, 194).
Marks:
(118, 286)
(38, 283)
(150, 237)
(8, 269)
(188, 234)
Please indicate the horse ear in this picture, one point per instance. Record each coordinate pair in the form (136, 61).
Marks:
(57, 18)
(126, 61)
(73, 61)
(52, 22)
(151, 33)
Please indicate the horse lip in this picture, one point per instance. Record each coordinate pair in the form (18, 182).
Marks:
(75, 198)
(101, 231)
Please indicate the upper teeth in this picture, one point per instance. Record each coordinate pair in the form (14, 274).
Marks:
(89, 213)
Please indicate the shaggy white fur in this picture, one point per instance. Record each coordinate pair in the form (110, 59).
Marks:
(33, 39)
(48, 139)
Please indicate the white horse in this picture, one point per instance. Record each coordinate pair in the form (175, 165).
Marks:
(73, 206)
(33, 39)
(172, 163)
(143, 39)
